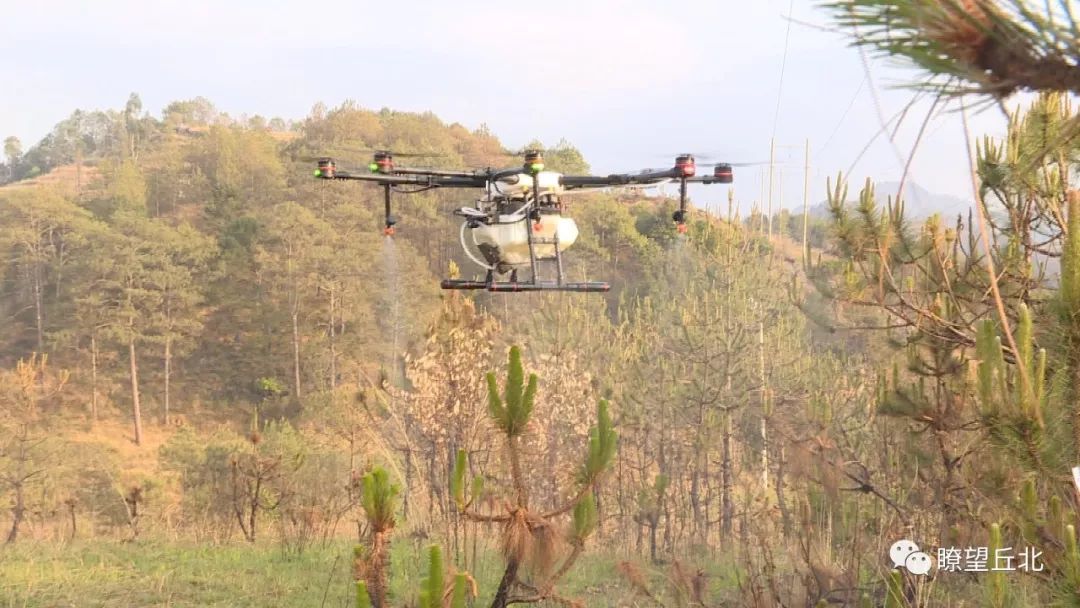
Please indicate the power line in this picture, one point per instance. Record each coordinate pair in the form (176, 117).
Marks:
(843, 116)
(776, 114)
(783, 67)
(877, 105)
(898, 118)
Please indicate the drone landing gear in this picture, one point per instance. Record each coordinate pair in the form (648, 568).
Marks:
(514, 285)
(509, 286)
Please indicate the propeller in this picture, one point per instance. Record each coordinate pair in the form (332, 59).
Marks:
(520, 152)
(349, 151)
(754, 164)
(709, 159)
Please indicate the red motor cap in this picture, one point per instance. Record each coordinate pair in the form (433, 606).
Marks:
(326, 168)
(723, 174)
(384, 162)
(684, 165)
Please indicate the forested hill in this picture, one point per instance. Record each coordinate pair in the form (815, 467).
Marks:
(200, 341)
(196, 255)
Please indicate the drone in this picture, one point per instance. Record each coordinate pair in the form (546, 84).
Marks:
(519, 222)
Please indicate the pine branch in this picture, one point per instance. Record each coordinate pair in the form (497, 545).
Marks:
(985, 47)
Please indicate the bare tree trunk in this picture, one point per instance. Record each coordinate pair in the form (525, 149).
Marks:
(168, 374)
(726, 509)
(333, 343)
(296, 352)
(502, 595)
(377, 581)
(695, 485)
(17, 482)
(764, 410)
(515, 472)
(78, 169)
(135, 407)
(254, 511)
(71, 512)
(61, 249)
(18, 512)
(93, 376)
(39, 314)
(653, 526)
(781, 499)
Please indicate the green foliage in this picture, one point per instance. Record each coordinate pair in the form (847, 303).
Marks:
(457, 479)
(271, 387)
(1072, 556)
(202, 465)
(997, 586)
(894, 590)
(12, 149)
(96, 572)
(1032, 519)
(990, 366)
(511, 412)
(379, 499)
(226, 472)
(128, 191)
(584, 519)
(1069, 293)
(990, 48)
(458, 597)
(457, 482)
(432, 586)
(363, 600)
(603, 441)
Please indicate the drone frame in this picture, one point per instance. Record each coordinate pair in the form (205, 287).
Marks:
(384, 172)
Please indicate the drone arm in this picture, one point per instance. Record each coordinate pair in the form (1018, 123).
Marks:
(616, 179)
(434, 172)
(425, 179)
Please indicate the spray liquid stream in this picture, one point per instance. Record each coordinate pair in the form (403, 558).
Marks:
(392, 303)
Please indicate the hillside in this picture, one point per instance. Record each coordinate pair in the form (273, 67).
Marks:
(210, 359)
(919, 203)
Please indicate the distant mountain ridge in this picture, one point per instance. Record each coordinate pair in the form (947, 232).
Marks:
(919, 203)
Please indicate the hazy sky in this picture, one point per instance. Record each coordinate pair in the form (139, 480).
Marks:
(630, 83)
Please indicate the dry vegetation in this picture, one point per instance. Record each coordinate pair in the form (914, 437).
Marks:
(251, 398)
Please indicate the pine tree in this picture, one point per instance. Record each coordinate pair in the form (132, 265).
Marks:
(984, 46)
(379, 500)
(528, 533)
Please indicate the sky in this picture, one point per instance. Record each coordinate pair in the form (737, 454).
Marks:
(630, 83)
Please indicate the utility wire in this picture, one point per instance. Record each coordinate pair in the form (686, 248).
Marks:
(783, 67)
(877, 105)
(843, 117)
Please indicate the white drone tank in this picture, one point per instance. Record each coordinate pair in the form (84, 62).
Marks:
(506, 246)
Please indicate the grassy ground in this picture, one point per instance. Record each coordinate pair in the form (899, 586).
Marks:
(150, 573)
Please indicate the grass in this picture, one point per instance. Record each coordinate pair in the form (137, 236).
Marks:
(111, 573)
(107, 573)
